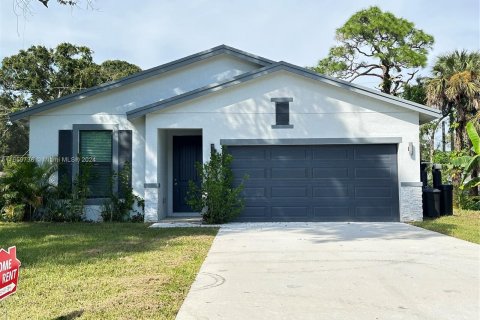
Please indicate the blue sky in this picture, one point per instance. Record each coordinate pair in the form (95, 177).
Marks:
(158, 31)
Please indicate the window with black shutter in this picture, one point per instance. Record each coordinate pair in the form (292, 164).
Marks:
(102, 151)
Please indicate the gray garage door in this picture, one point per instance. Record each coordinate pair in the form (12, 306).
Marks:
(318, 183)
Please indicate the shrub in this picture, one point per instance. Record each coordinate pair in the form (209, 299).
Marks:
(120, 206)
(13, 212)
(25, 182)
(216, 197)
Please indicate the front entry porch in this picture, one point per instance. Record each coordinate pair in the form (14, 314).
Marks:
(171, 155)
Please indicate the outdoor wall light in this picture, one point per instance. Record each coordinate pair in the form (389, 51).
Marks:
(410, 148)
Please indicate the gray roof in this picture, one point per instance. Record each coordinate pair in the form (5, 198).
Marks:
(222, 49)
(426, 113)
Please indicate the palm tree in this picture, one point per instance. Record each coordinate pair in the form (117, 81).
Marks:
(455, 89)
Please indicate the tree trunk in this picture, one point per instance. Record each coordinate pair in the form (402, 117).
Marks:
(460, 133)
(432, 145)
(386, 82)
(474, 190)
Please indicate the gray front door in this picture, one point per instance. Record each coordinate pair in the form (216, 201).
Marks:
(187, 150)
(318, 183)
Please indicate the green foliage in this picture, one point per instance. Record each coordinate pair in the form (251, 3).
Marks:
(112, 70)
(415, 92)
(377, 44)
(123, 206)
(13, 213)
(455, 89)
(65, 203)
(462, 224)
(216, 197)
(25, 182)
(39, 74)
(461, 166)
(472, 163)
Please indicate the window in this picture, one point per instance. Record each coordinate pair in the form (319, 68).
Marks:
(109, 147)
(282, 113)
(95, 149)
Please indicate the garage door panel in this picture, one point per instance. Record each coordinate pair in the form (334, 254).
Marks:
(249, 192)
(373, 192)
(319, 183)
(288, 173)
(374, 213)
(329, 153)
(250, 153)
(288, 164)
(372, 152)
(251, 173)
(288, 153)
(250, 212)
(331, 192)
(373, 173)
(330, 213)
(289, 192)
(335, 173)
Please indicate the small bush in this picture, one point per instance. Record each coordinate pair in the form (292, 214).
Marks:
(25, 182)
(119, 206)
(465, 201)
(216, 197)
(13, 212)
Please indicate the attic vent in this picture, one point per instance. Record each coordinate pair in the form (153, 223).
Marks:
(282, 113)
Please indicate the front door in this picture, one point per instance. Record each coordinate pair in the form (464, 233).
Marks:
(187, 150)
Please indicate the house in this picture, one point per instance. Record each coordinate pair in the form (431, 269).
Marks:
(314, 148)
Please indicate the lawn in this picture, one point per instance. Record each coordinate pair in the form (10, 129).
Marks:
(102, 271)
(464, 224)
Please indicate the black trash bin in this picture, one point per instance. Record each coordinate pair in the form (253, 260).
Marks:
(437, 175)
(446, 199)
(431, 202)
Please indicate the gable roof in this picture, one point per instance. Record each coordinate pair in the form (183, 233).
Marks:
(426, 113)
(222, 49)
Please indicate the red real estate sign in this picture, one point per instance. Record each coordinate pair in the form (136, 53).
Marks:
(9, 265)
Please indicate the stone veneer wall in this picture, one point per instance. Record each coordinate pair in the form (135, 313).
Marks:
(411, 201)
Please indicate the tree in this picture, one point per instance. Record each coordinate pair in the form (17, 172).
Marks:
(455, 89)
(39, 74)
(116, 69)
(24, 7)
(377, 44)
(64, 2)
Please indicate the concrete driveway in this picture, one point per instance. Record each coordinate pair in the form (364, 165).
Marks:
(335, 271)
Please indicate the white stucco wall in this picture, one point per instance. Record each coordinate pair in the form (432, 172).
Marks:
(318, 111)
(110, 108)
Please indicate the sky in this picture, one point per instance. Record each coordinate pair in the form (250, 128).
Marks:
(152, 32)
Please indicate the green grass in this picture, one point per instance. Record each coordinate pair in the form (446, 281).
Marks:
(464, 224)
(102, 271)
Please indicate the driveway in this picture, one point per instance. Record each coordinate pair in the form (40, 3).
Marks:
(335, 271)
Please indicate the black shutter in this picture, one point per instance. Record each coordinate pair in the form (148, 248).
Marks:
(282, 113)
(65, 155)
(124, 154)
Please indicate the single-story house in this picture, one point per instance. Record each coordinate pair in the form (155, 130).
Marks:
(315, 148)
